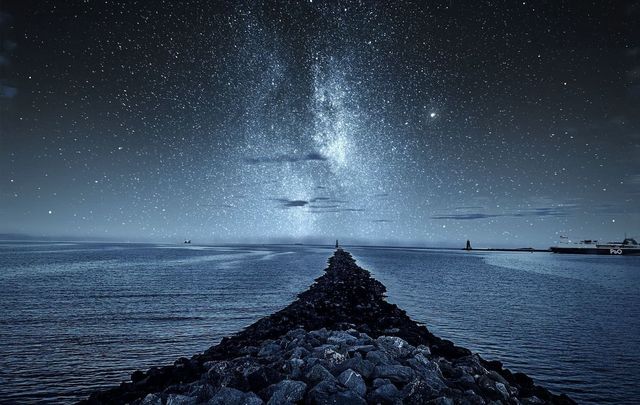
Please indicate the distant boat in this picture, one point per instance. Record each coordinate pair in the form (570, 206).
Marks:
(188, 241)
(628, 246)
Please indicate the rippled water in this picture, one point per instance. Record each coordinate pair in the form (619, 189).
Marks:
(75, 317)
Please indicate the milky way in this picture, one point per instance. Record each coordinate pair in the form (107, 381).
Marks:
(507, 123)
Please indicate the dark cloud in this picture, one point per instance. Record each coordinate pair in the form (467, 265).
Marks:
(380, 221)
(322, 211)
(541, 212)
(311, 156)
(381, 195)
(466, 216)
(555, 211)
(286, 203)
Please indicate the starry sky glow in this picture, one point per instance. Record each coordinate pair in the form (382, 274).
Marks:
(505, 122)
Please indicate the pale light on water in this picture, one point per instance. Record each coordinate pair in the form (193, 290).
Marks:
(76, 317)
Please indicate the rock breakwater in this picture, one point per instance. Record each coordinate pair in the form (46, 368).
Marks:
(340, 342)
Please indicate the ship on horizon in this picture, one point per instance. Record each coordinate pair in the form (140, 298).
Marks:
(628, 246)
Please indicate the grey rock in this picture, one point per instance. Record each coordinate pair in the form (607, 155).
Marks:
(249, 350)
(311, 361)
(329, 353)
(358, 364)
(361, 348)
(449, 371)
(296, 334)
(395, 346)
(232, 396)
(419, 392)
(441, 401)
(320, 334)
(287, 391)
(269, 349)
(340, 337)
(324, 391)
(251, 399)
(201, 392)
(319, 373)
(385, 394)
(219, 373)
(470, 365)
(531, 401)
(151, 399)
(497, 377)
(466, 382)
(471, 398)
(424, 350)
(175, 399)
(346, 398)
(299, 353)
(294, 367)
(395, 373)
(489, 389)
(428, 370)
(378, 357)
(353, 381)
(364, 339)
(503, 390)
(377, 382)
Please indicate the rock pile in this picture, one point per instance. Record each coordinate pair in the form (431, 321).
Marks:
(340, 342)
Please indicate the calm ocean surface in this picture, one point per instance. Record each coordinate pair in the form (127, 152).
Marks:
(75, 317)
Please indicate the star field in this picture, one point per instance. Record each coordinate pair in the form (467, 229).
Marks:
(507, 123)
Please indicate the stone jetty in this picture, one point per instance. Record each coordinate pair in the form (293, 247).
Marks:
(339, 342)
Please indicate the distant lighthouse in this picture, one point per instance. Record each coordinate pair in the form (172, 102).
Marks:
(337, 243)
(468, 245)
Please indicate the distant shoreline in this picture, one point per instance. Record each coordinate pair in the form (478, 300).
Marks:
(328, 246)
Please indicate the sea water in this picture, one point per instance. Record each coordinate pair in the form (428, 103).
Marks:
(75, 317)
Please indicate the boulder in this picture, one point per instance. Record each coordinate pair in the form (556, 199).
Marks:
(395, 373)
(380, 381)
(176, 399)
(385, 394)
(269, 350)
(358, 364)
(152, 399)
(441, 401)
(353, 381)
(324, 392)
(317, 374)
(394, 346)
(378, 357)
(232, 396)
(287, 391)
(341, 338)
(428, 370)
(419, 392)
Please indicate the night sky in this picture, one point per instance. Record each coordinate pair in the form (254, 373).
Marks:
(509, 123)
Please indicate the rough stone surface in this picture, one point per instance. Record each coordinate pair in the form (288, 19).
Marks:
(287, 391)
(353, 381)
(340, 342)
